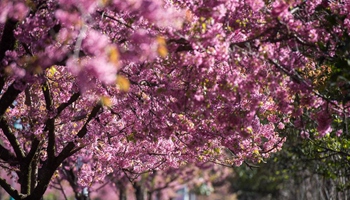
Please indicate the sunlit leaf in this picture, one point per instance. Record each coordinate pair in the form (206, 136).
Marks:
(123, 83)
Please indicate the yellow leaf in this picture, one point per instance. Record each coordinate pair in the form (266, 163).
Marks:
(51, 72)
(113, 55)
(256, 152)
(204, 27)
(250, 130)
(104, 2)
(217, 150)
(106, 101)
(123, 83)
(162, 50)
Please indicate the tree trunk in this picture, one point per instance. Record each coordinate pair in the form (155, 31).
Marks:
(82, 196)
(149, 195)
(122, 189)
(139, 191)
(122, 193)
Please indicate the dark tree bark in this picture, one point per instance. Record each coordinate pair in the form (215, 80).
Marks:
(139, 191)
(122, 191)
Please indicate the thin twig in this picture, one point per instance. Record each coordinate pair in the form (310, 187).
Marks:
(62, 189)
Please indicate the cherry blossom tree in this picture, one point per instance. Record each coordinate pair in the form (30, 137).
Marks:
(142, 85)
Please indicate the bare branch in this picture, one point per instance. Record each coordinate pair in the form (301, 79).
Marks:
(50, 123)
(34, 148)
(8, 97)
(7, 156)
(103, 14)
(62, 189)
(7, 42)
(8, 39)
(9, 189)
(72, 99)
(12, 139)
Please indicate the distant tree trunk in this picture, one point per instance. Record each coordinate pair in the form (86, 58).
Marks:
(149, 195)
(159, 195)
(82, 196)
(122, 194)
(72, 179)
(122, 190)
(139, 191)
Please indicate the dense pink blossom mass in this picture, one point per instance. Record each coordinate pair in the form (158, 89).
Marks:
(112, 86)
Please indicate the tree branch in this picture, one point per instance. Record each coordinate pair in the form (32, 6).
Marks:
(48, 169)
(103, 14)
(48, 100)
(66, 152)
(7, 43)
(296, 77)
(12, 139)
(9, 96)
(62, 189)
(72, 180)
(33, 149)
(77, 149)
(26, 173)
(7, 156)
(72, 99)
(50, 124)
(7, 187)
(8, 39)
